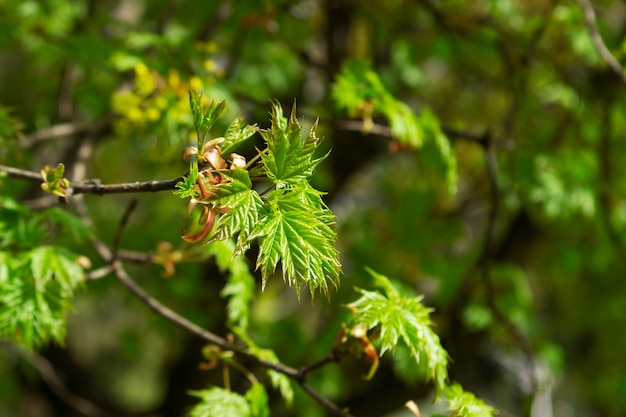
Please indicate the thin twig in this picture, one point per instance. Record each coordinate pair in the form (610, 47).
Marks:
(331, 358)
(94, 187)
(210, 337)
(385, 131)
(21, 174)
(165, 312)
(484, 261)
(120, 230)
(64, 130)
(131, 187)
(324, 401)
(598, 42)
(99, 273)
(56, 384)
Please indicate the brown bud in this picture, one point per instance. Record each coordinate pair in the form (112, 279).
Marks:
(212, 144)
(237, 160)
(189, 153)
(214, 156)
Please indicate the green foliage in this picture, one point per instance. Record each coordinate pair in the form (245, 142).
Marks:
(289, 159)
(204, 115)
(240, 283)
(238, 132)
(53, 181)
(296, 233)
(279, 381)
(293, 226)
(464, 404)
(541, 216)
(360, 92)
(257, 397)
(35, 293)
(187, 187)
(36, 285)
(564, 184)
(244, 208)
(402, 319)
(218, 402)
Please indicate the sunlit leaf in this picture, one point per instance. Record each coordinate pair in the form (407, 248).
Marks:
(403, 319)
(219, 402)
(32, 309)
(257, 397)
(463, 403)
(204, 115)
(238, 132)
(240, 283)
(55, 263)
(244, 207)
(290, 157)
(296, 234)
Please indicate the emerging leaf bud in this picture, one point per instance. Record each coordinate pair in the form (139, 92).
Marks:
(214, 156)
(203, 233)
(212, 144)
(237, 160)
(189, 153)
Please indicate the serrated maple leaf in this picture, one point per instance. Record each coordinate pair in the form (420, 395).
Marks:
(244, 206)
(289, 158)
(296, 233)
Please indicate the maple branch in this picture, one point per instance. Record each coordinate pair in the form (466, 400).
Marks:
(120, 231)
(95, 187)
(385, 131)
(165, 312)
(63, 130)
(598, 42)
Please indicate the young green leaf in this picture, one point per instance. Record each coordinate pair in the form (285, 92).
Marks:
(32, 311)
(240, 283)
(204, 115)
(237, 133)
(218, 402)
(289, 158)
(464, 404)
(187, 187)
(405, 319)
(296, 233)
(55, 263)
(257, 397)
(244, 207)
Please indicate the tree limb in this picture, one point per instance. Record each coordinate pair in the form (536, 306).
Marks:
(210, 337)
(598, 42)
(63, 130)
(94, 187)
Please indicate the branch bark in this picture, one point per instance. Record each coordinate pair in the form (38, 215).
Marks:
(94, 187)
(598, 42)
(219, 341)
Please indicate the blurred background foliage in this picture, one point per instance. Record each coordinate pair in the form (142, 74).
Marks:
(476, 158)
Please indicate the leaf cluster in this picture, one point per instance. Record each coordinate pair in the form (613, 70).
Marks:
(289, 220)
(53, 180)
(219, 402)
(359, 91)
(395, 317)
(36, 285)
(401, 319)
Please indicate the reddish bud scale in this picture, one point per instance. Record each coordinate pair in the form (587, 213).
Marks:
(204, 232)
